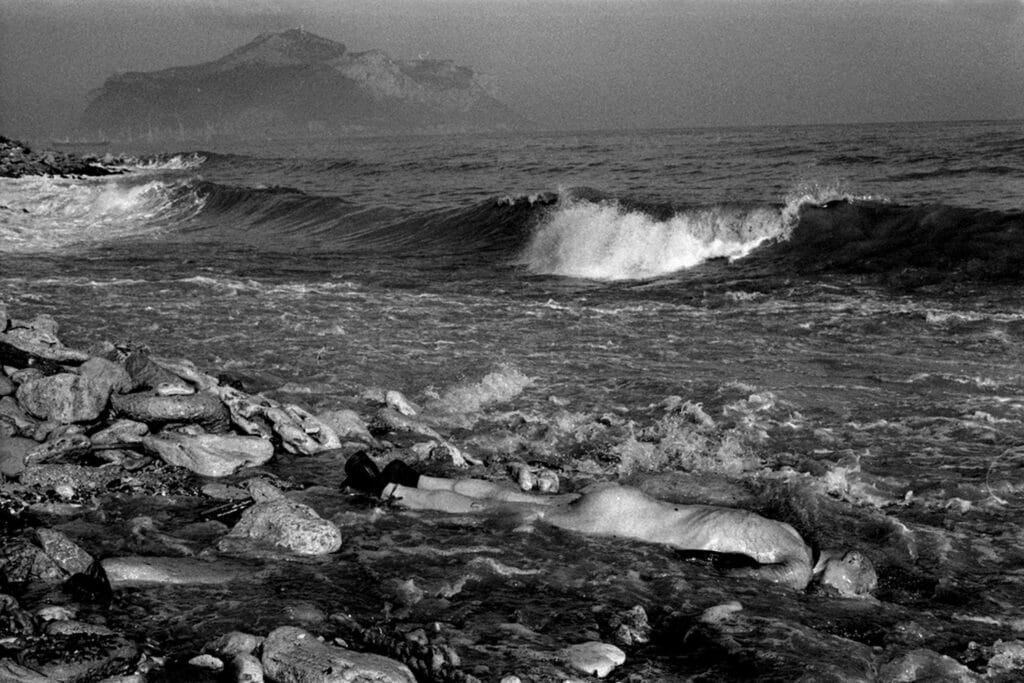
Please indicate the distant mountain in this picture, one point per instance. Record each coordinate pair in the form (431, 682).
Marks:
(293, 84)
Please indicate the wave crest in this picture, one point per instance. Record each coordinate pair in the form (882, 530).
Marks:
(605, 241)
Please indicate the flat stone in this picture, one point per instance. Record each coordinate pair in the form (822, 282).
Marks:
(292, 655)
(169, 571)
(60, 449)
(121, 432)
(210, 455)
(594, 658)
(202, 408)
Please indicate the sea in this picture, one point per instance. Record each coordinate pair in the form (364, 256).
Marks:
(840, 306)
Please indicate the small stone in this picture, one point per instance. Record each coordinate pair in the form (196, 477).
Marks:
(62, 550)
(234, 643)
(206, 661)
(720, 613)
(55, 613)
(594, 658)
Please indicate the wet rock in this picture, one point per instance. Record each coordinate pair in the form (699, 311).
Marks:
(347, 424)
(593, 658)
(396, 401)
(14, 621)
(292, 655)
(285, 524)
(24, 562)
(121, 432)
(203, 409)
(133, 570)
(145, 373)
(391, 420)
(210, 455)
(80, 656)
(7, 386)
(1007, 658)
(720, 613)
(235, 643)
(247, 668)
(13, 452)
(925, 665)
(300, 431)
(62, 550)
(206, 661)
(631, 627)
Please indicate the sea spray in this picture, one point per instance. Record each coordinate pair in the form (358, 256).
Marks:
(605, 241)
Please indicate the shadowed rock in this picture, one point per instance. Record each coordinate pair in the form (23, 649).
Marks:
(292, 655)
(203, 409)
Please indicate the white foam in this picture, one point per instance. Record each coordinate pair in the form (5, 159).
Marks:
(604, 241)
(43, 213)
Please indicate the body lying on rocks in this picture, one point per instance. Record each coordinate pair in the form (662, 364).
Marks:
(625, 512)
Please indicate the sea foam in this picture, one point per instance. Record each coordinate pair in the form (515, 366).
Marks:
(44, 213)
(605, 241)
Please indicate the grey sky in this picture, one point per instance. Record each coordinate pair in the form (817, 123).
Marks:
(568, 63)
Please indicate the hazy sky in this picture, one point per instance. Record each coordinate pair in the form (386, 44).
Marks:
(568, 63)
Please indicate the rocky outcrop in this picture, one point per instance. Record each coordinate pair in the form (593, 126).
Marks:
(17, 160)
(293, 84)
(291, 655)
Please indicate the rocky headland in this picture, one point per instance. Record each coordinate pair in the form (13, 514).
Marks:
(294, 84)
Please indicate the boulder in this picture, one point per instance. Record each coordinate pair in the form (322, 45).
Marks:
(67, 397)
(292, 655)
(210, 455)
(203, 409)
(285, 524)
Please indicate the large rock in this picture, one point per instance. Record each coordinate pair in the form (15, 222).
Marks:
(68, 555)
(210, 455)
(203, 409)
(68, 397)
(286, 524)
(292, 655)
(594, 658)
(80, 656)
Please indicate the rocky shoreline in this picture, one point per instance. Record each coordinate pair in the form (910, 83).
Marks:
(17, 160)
(77, 427)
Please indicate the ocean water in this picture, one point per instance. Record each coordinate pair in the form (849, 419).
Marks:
(843, 301)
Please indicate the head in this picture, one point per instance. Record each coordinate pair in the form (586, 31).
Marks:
(849, 572)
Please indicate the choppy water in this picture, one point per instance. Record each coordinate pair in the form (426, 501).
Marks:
(853, 293)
